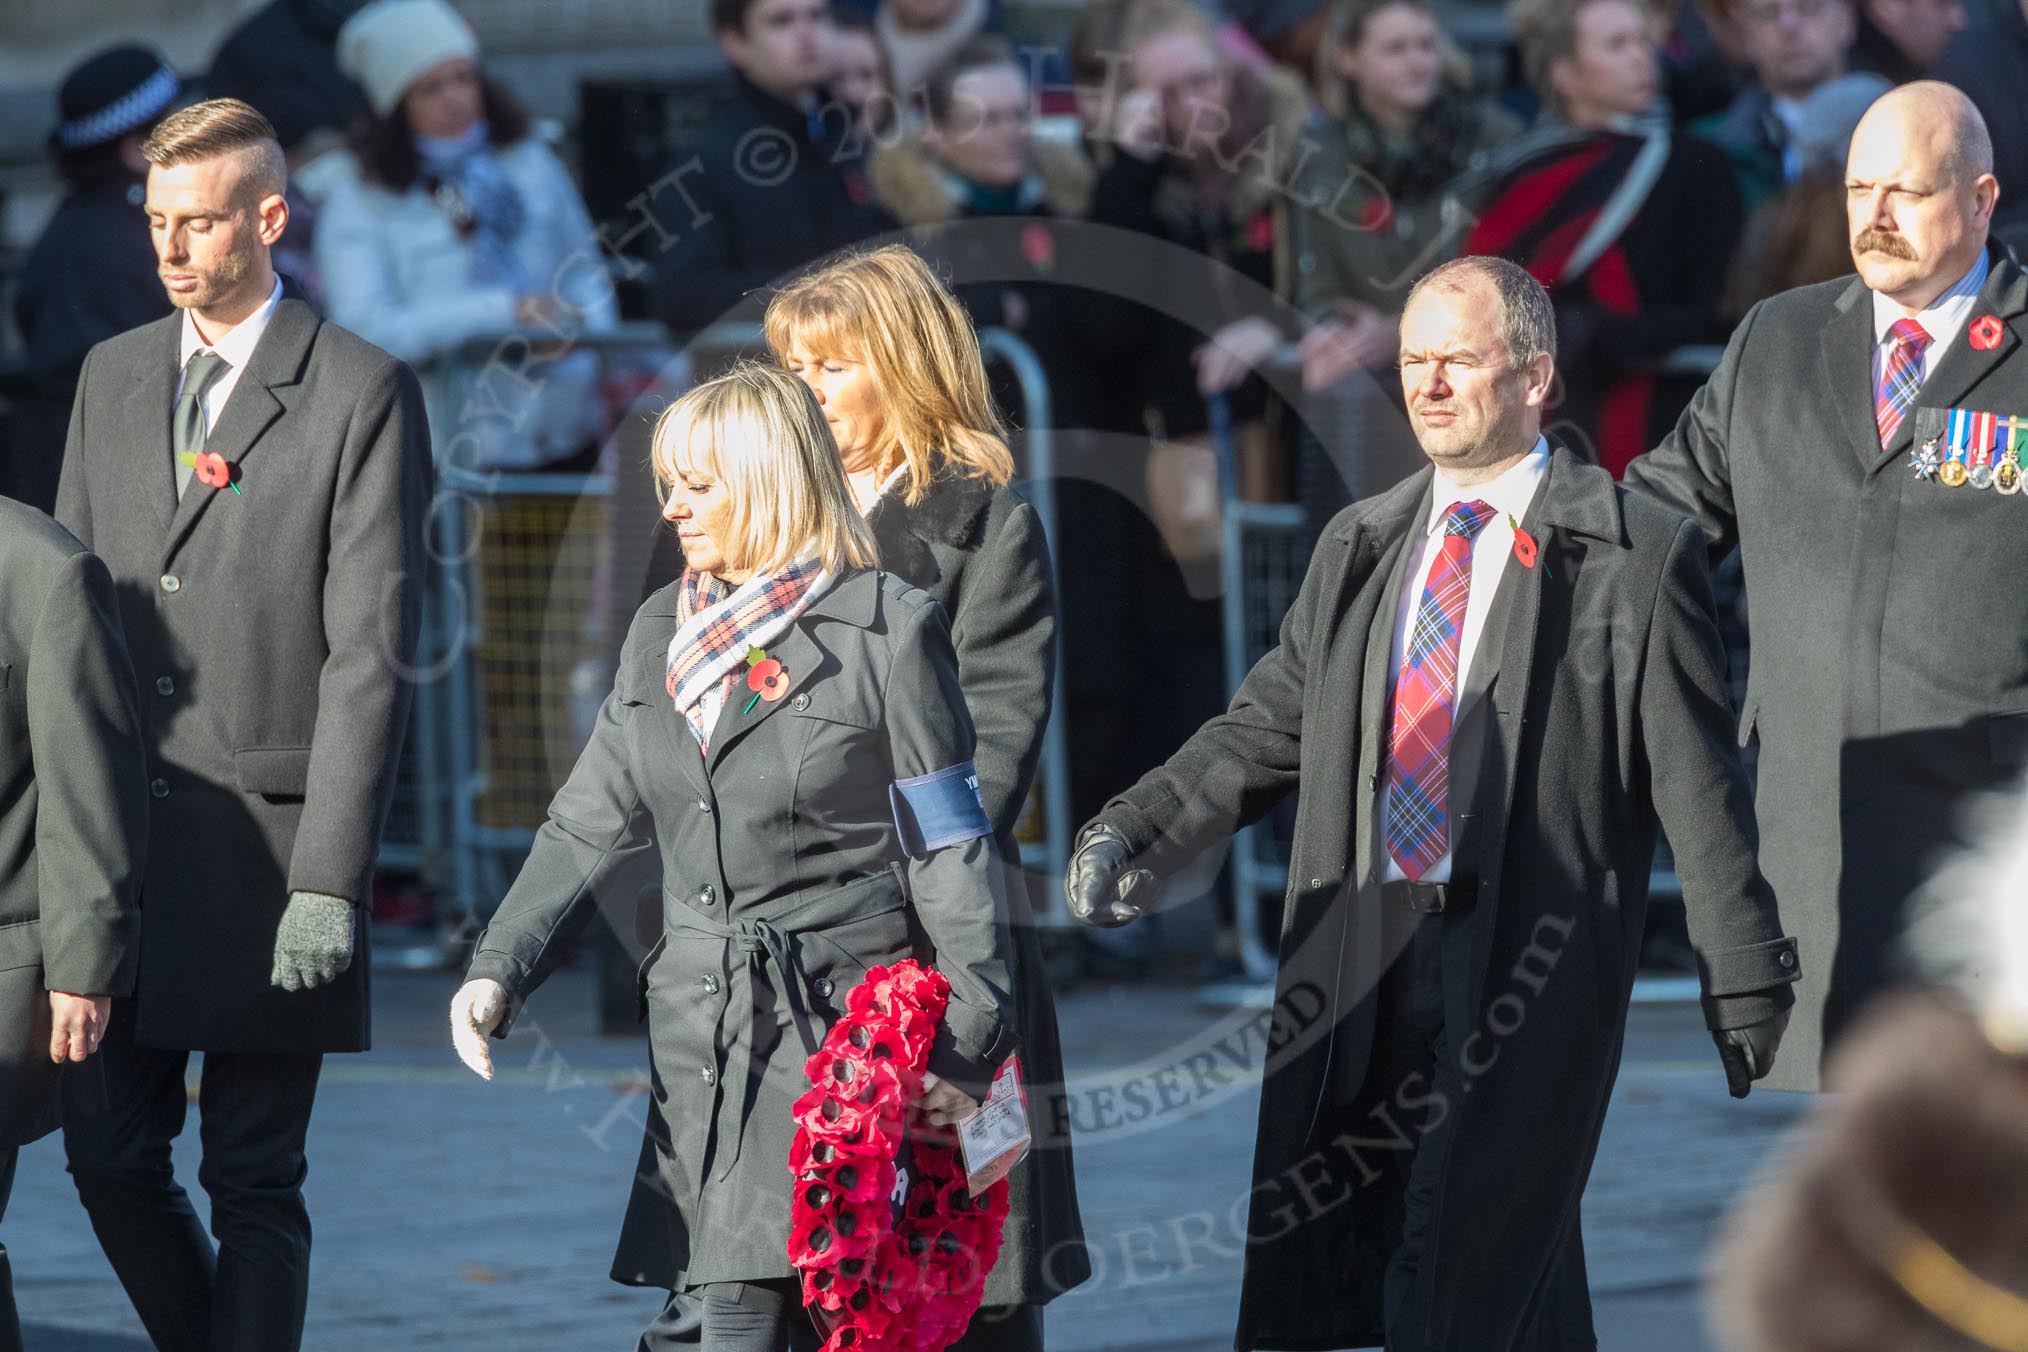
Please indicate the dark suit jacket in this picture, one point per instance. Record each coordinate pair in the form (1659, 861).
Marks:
(273, 632)
(1603, 709)
(1889, 637)
(784, 879)
(73, 801)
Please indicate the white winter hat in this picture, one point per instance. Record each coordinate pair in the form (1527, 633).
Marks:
(390, 44)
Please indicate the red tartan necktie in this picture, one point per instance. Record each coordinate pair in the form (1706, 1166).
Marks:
(1900, 377)
(1425, 699)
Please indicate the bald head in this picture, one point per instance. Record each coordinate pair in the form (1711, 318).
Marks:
(1919, 191)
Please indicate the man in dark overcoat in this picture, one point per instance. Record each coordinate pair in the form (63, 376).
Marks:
(256, 481)
(1879, 535)
(73, 827)
(1496, 678)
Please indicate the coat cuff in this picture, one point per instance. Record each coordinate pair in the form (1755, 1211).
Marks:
(1746, 986)
(969, 1057)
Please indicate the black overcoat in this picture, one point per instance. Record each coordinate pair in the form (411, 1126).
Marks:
(73, 802)
(981, 553)
(273, 634)
(783, 880)
(1888, 682)
(1603, 708)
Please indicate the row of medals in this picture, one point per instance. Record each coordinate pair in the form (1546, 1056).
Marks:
(2003, 475)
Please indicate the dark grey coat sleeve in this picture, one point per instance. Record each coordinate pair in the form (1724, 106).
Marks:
(597, 830)
(73, 503)
(1236, 767)
(1691, 470)
(956, 891)
(1702, 797)
(91, 818)
(373, 584)
(1005, 632)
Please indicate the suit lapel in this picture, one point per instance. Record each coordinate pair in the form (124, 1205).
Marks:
(253, 407)
(852, 599)
(1393, 534)
(149, 477)
(1963, 366)
(1847, 351)
(651, 679)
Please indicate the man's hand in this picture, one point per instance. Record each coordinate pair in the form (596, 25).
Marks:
(1098, 887)
(1749, 1053)
(314, 943)
(77, 1025)
(1235, 352)
(476, 1011)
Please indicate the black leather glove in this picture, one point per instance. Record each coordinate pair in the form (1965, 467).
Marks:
(1749, 1053)
(1099, 888)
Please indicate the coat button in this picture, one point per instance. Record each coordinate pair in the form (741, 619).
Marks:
(159, 787)
(711, 985)
(1316, 884)
(706, 895)
(1788, 959)
(704, 805)
(165, 685)
(171, 582)
(800, 702)
(823, 986)
(710, 1075)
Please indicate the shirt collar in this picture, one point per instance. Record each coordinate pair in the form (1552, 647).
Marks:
(1942, 317)
(1508, 495)
(236, 347)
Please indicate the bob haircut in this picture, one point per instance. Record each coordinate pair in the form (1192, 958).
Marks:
(885, 308)
(759, 431)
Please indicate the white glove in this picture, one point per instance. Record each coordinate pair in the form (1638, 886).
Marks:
(475, 1012)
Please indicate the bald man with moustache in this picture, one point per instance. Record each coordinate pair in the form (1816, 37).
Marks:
(1862, 446)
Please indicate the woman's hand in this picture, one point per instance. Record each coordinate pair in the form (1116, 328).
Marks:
(475, 1013)
(943, 1103)
(1234, 351)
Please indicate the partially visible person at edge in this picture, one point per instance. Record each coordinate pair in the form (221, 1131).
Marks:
(860, 79)
(451, 224)
(1886, 690)
(1906, 40)
(685, 770)
(1374, 206)
(1795, 47)
(91, 272)
(1631, 227)
(774, 183)
(896, 368)
(1989, 61)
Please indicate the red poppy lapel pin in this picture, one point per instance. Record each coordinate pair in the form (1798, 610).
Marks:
(1985, 332)
(1525, 548)
(766, 677)
(212, 469)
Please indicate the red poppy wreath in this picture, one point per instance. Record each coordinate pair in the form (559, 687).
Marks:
(877, 1276)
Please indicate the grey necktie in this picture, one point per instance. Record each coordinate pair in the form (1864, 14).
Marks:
(186, 425)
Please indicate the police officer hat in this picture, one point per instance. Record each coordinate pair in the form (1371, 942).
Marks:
(116, 91)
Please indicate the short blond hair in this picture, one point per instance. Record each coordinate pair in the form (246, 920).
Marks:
(887, 309)
(1545, 31)
(759, 431)
(217, 127)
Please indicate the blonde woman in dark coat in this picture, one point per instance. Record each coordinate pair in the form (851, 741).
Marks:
(895, 364)
(786, 870)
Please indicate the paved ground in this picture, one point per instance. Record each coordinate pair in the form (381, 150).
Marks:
(453, 1214)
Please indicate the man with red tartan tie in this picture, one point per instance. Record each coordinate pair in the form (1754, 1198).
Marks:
(1860, 445)
(1497, 677)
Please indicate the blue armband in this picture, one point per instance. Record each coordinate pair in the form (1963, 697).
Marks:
(938, 809)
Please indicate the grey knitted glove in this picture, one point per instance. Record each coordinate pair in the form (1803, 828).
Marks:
(314, 943)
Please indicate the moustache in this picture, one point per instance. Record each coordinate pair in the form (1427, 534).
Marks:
(1879, 241)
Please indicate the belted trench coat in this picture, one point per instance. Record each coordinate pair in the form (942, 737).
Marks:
(785, 876)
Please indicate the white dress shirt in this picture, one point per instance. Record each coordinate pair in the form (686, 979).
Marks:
(1943, 319)
(1509, 496)
(236, 347)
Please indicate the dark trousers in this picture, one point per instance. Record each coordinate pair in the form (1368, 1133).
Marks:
(1413, 1059)
(254, 1112)
(10, 1322)
(693, 1320)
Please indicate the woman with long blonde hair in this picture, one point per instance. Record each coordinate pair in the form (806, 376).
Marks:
(784, 720)
(893, 361)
